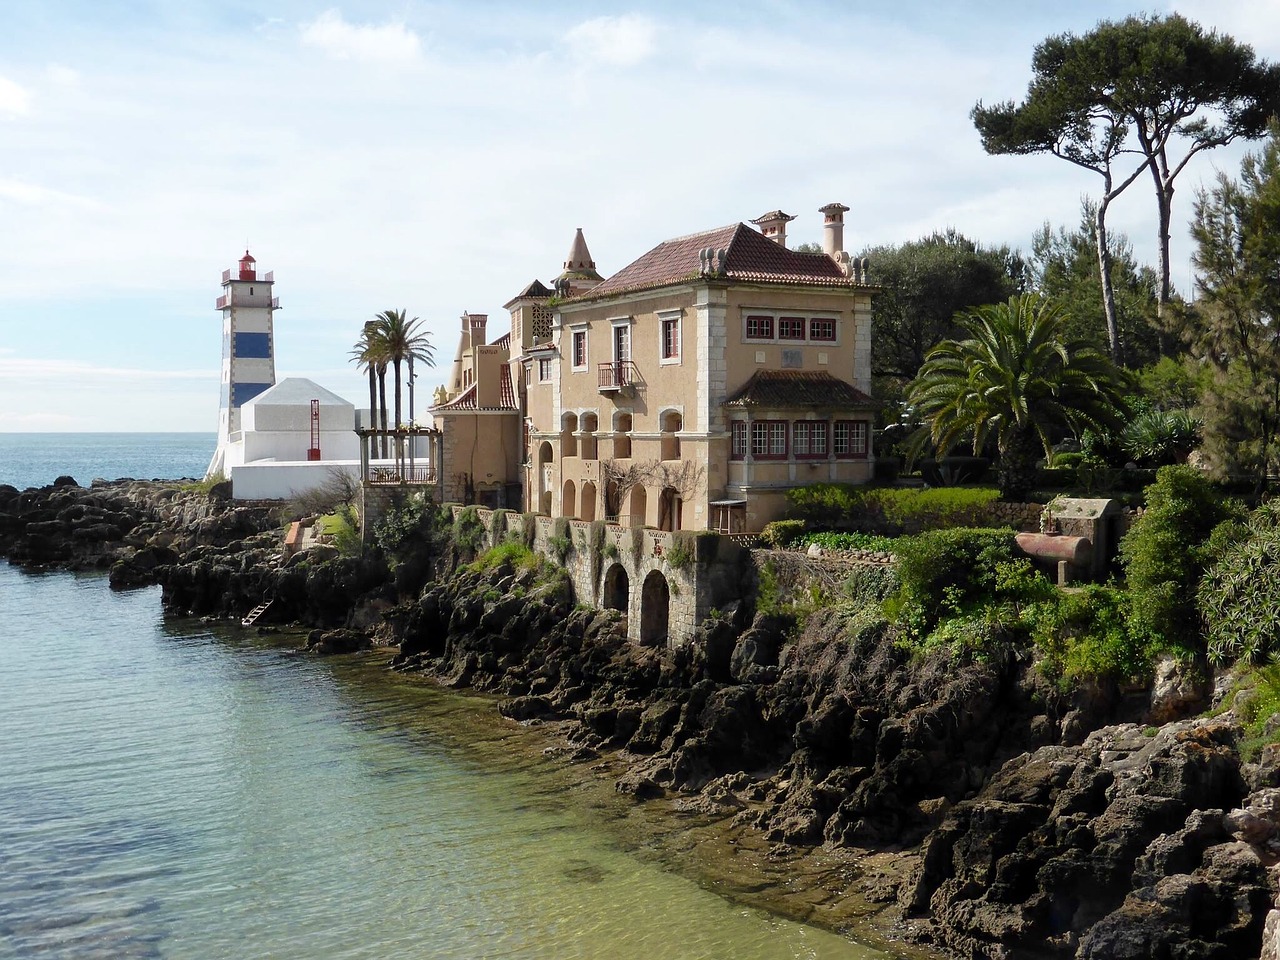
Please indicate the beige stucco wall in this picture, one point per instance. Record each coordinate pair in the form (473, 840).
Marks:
(483, 448)
(716, 359)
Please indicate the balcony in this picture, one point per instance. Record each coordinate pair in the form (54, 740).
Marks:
(226, 300)
(616, 375)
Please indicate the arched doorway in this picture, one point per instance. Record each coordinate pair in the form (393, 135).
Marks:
(545, 478)
(616, 589)
(639, 505)
(568, 508)
(670, 506)
(587, 506)
(655, 609)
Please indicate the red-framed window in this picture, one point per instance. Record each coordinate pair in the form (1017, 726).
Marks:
(738, 430)
(809, 439)
(580, 348)
(769, 439)
(849, 439)
(671, 338)
(791, 328)
(759, 328)
(822, 329)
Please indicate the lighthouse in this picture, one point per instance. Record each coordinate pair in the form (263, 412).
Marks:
(248, 351)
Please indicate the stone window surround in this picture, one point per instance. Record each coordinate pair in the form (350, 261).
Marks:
(776, 316)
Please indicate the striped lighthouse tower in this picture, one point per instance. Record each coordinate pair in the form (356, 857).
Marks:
(248, 350)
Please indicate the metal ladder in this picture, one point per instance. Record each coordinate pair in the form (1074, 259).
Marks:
(252, 617)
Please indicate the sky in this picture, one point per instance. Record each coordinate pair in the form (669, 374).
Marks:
(437, 157)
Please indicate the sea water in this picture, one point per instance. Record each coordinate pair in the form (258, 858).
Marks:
(175, 789)
(37, 459)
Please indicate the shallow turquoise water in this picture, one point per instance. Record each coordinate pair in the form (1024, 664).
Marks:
(171, 791)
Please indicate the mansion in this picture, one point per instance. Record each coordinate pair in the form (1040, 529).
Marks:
(688, 391)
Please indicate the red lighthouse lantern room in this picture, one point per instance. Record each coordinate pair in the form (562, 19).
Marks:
(247, 270)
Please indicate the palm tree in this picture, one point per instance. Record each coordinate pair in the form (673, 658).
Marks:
(1017, 378)
(403, 341)
(369, 353)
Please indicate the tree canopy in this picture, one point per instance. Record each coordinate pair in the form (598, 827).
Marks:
(1234, 327)
(924, 284)
(1064, 267)
(1128, 97)
(1017, 378)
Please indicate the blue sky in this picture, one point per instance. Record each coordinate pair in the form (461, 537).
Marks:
(438, 156)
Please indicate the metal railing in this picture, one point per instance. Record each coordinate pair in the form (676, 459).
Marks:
(397, 475)
(617, 374)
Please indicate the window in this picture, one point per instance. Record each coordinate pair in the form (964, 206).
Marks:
(621, 341)
(822, 329)
(544, 369)
(670, 338)
(809, 438)
(769, 439)
(579, 349)
(738, 450)
(850, 439)
(791, 328)
(759, 328)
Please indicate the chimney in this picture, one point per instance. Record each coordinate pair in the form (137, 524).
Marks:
(833, 228)
(478, 321)
(774, 225)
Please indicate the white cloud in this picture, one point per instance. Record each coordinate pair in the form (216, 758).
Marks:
(623, 41)
(81, 372)
(14, 99)
(32, 195)
(389, 43)
(61, 75)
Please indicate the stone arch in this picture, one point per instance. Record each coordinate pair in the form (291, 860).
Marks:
(622, 434)
(639, 505)
(568, 506)
(587, 501)
(546, 459)
(569, 435)
(670, 508)
(655, 609)
(617, 588)
(670, 423)
(589, 424)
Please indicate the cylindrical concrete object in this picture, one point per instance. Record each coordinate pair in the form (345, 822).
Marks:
(1051, 546)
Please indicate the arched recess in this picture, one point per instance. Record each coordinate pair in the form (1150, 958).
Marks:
(568, 435)
(568, 506)
(671, 423)
(655, 609)
(587, 504)
(590, 424)
(670, 508)
(545, 477)
(639, 505)
(621, 435)
(616, 588)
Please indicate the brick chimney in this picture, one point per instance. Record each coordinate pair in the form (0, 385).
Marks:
(833, 228)
(774, 225)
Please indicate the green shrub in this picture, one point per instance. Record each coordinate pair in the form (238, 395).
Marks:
(1158, 437)
(683, 550)
(870, 585)
(954, 471)
(891, 509)
(345, 530)
(498, 525)
(1256, 702)
(768, 592)
(1067, 459)
(1164, 553)
(834, 540)
(411, 525)
(781, 533)
(510, 552)
(468, 531)
(560, 546)
(1091, 634)
(942, 571)
(1239, 596)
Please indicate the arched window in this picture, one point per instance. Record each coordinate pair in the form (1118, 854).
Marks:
(590, 424)
(621, 436)
(568, 435)
(672, 423)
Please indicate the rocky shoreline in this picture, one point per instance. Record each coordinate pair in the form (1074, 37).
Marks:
(995, 815)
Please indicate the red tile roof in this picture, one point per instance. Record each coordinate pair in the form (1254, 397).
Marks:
(789, 389)
(467, 399)
(749, 256)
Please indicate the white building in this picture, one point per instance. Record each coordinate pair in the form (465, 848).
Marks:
(292, 437)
